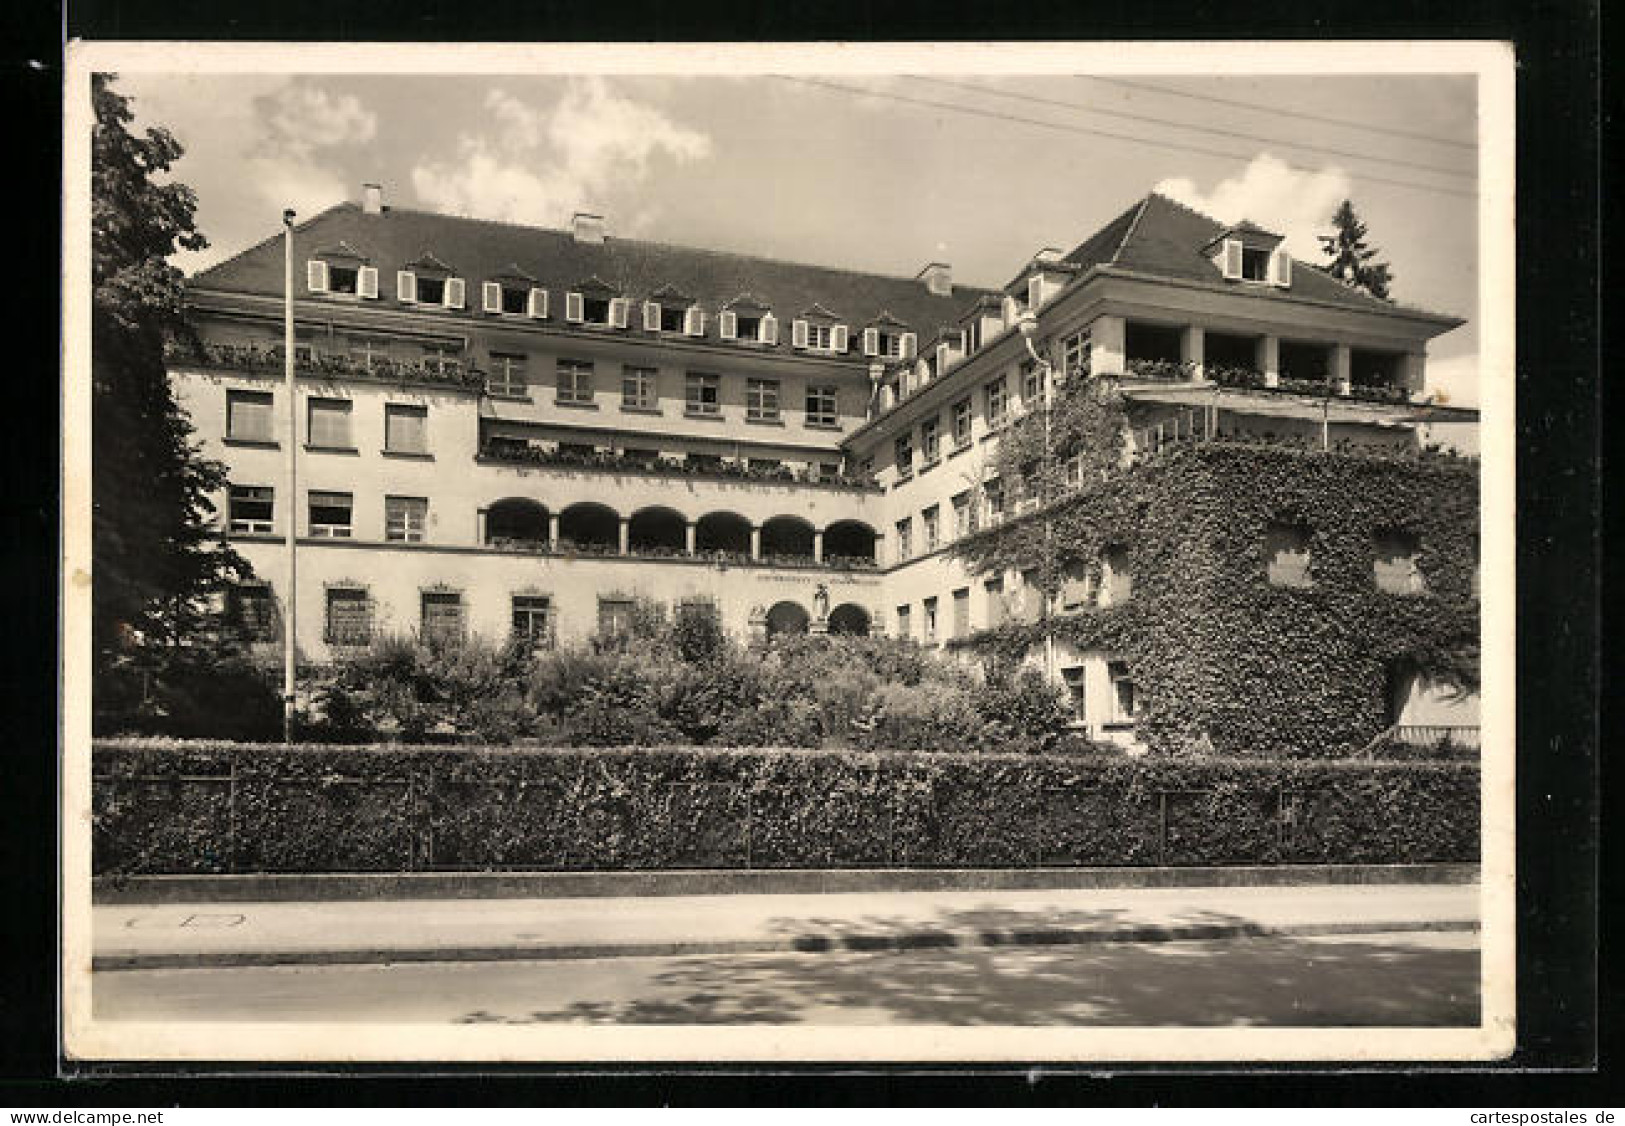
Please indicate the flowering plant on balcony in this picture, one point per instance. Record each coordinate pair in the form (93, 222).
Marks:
(1377, 393)
(253, 357)
(572, 547)
(850, 562)
(518, 543)
(657, 551)
(1163, 371)
(1240, 377)
(519, 450)
(1320, 386)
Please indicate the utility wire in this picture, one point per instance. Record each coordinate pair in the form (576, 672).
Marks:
(979, 89)
(1081, 129)
(1323, 119)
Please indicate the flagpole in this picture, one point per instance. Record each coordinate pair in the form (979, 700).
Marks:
(290, 630)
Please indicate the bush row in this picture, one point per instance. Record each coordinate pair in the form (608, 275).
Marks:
(211, 807)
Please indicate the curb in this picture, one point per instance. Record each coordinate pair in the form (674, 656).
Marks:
(305, 887)
(800, 944)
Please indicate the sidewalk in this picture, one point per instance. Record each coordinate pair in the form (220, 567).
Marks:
(133, 936)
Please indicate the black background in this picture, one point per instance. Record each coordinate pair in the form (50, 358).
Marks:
(1561, 578)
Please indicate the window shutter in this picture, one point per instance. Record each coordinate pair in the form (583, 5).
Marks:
(798, 334)
(651, 316)
(491, 297)
(316, 275)
(1232, 258)
(1281, 269)
(572, 308)
(910, 345)
(768, 330)
(454, 293)
(871, 342)
(1011, 309)
(1035, 292)
(694, 321)
(728, 324)
(620, 311)
(838, 339)
(538, 304)
(406, 286)
(942, 359)
(366, 282)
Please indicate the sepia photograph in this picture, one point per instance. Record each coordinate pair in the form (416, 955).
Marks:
(788, 552)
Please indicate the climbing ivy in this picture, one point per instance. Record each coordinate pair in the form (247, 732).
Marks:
(1221, 657)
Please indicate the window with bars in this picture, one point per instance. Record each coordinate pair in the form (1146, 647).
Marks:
(250, 509)
(406, 428)
(330, 515)
(962, 424)
(533, 620)
(442, 617)
(762, 400)
(507, 378)
(328, 426)
(574, 382)
(249, 416)
(998, 402)
(702, 395)
(252, 610)
(405, 519)
(348, 620)
(821, 406)
(638, 388)
(931, 524)
(614, 617)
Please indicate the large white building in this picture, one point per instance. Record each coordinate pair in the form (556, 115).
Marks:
(505, 429)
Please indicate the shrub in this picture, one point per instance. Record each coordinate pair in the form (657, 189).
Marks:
(618, 706)
(929, 716)
(1021, 710)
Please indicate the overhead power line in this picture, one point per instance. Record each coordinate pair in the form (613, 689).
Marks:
(1063, 127)
(1262, 108)
(1214, 130)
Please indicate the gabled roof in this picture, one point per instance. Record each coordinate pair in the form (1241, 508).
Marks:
(483, 250)
(429, 261)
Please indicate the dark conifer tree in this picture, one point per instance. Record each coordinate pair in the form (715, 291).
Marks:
(1352, 260)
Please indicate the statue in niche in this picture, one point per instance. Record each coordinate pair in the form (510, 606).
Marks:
(821, 602)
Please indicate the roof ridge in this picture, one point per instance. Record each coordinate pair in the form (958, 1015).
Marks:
(710, 251)
(1171, 201)
(343, 204)
(1133, 225)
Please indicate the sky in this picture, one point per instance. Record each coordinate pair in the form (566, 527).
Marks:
(882, 173)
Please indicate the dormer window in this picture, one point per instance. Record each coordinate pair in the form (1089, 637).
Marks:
(514, 293)
(596, 302)
(343, 271)
(1247, 252)
(670, 310)
(817, 330)
(1255, 264)
(429, 281)
(888, 338)
(748, 319)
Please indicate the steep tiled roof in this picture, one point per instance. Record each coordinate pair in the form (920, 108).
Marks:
(480, 249)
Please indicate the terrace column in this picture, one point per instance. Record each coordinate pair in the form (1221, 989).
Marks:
(688, 536)
(1107, 346)
(626, 533)
(756, 542)
(552, 531)
(1269, 360)
(1192, 344)
(1413, 372)
(479, 526)
(818, 545)
(1340, 368)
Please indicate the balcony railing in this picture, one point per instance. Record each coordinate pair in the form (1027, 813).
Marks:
(248, 357)
(1160, 371)
(1250, 380)
(516, 451)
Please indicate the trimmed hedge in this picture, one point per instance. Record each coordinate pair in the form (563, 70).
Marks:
(218, 808)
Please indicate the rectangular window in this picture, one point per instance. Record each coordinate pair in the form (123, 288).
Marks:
(574, 381)
(1116, 579)
(998, 402)
(993, 495)
(1286, 554)
(962, 515)
(638, 388)
(997, 612)
(349, 617)
(932, 524)
(962, 612)
(905, 538)
(366, 354)
(962, 424)
(1076, 687)
(930, 442)
(930, 621)
(614, 617)
(702, 395)
(1075, 592)
(533, 620)
(442, 617)
(252, 611)
(516, 300)
(1125, 702)
(762, 400)
(1255, 264)
(905, 624)
(405, 519)
(507, 378)
(330, 515)
(342, 279)
(748, 326)
(1075, 354)
(595, 310)
(903, 451)
(821, 406)
(250, 509)
(891, 344)
(673, 318)
(329, 425)
(249, 416)
(819, 336)
(1032, 385)
(441, 358)
(406, 428)
(431, 290)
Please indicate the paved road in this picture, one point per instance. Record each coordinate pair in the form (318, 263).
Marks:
(1411, 978)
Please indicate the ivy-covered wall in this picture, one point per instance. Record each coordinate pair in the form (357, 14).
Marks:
(1222, 657)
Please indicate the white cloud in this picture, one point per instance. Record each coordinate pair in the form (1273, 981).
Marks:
(1297, 205)
(541, 166)
(299, 119)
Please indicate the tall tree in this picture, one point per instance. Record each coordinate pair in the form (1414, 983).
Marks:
(1352, 260)
(155, 554)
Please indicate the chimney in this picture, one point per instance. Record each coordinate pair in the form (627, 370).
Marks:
(587, 227)
(938, 279)
(1048, 254)
(372, 199)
